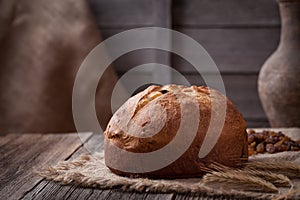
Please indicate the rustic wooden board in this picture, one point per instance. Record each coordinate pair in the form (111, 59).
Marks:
(123, 13)
(51, 190)
(222, 13)
(25, 154)
(135, 58)
(152, 196)
(237, 51)
(195, 13)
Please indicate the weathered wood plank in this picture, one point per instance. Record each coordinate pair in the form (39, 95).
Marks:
(83, 193)
(233, 50)
(123, 13)
(152, 196)
(230, 12)
(137, 196)
(99, 194)
(7, 138)
(163, 19)
(60, 191)
(52, 190)
(117, 194)
(207, 197)
(135, 58)
(94, 144)
(139, 57)
(31, 194)
(162, 13)
(55, 191)
(185, 196)
(132, 13)
(29, 153)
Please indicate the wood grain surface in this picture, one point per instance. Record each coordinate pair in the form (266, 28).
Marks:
(229, 13)
(23, 155)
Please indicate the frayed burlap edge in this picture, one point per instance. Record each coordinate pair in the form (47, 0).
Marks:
(90, 171)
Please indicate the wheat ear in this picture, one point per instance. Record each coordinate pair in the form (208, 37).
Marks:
(276, 179)
(283, 167)
(240, 181)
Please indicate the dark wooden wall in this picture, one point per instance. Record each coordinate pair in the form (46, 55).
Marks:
(239, 36)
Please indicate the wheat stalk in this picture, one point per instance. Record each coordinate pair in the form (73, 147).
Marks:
(283, 167)
(240, 181)
(276, 179)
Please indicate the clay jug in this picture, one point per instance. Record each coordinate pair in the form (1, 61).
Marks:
(279, 78)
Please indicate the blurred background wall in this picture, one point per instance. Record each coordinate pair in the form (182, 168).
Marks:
(239, 36)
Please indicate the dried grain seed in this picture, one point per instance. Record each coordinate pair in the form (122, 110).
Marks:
(270, 148)
(260, 148)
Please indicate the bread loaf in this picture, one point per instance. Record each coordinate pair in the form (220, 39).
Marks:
(156, 125)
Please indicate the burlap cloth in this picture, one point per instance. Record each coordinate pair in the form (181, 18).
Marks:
(90, 171)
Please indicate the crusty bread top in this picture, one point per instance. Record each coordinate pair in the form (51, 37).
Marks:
(139, 108)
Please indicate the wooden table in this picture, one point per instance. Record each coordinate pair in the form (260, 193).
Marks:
(23, 155)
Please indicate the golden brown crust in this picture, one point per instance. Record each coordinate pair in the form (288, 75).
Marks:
(230, 149)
